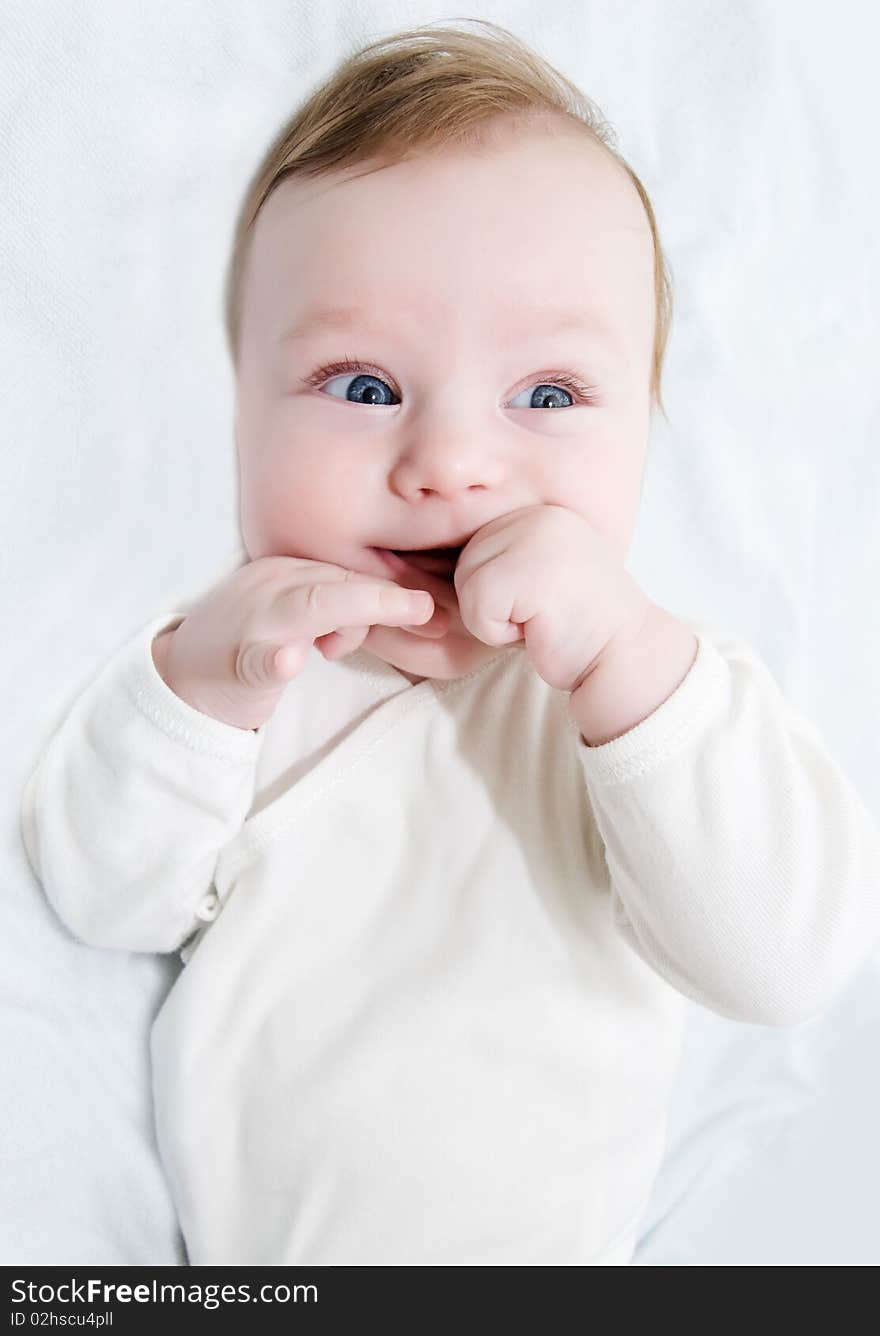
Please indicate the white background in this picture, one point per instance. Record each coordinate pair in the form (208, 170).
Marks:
(129, 131)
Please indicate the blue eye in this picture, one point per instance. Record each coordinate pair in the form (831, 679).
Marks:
(371, 386)
(368, 385)
(542, 391)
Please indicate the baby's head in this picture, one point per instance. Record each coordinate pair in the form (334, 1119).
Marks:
(447, 300)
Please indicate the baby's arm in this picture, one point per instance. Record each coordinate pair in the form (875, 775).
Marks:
(130, 803)
(152, 772)
(744, 867)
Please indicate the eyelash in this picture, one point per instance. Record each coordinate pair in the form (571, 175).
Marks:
(319, 377)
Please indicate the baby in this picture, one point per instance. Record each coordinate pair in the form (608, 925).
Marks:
(442, 888)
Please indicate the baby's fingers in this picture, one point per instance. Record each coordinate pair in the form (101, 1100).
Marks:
(336, 644)
(314, 610)
(337, 616)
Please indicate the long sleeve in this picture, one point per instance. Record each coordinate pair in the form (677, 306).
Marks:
(744, 867)
(131, 801)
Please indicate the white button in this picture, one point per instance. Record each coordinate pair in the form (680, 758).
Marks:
(207, 909)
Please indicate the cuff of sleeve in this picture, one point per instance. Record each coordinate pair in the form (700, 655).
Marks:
(695, 705)
(174, 716)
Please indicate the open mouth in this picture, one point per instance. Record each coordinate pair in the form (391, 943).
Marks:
(435, 560)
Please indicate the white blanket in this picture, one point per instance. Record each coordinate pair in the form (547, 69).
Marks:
(129, 132)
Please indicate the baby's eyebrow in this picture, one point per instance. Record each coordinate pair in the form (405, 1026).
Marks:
(330, 317)
(541, 321)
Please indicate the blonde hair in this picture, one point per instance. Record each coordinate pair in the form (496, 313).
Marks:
(421, 89)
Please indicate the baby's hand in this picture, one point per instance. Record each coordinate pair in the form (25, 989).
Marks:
(236, 650)
(542, 574)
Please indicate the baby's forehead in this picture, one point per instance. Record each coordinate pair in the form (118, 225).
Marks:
(529, 172)
(431, 236)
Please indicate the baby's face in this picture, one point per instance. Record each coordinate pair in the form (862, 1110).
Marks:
(469, 291)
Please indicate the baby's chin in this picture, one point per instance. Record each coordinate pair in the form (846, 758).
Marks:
(453, 655)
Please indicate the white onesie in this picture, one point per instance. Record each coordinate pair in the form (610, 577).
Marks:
(436, 948)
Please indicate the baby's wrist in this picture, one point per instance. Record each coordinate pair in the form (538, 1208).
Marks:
(635, 678)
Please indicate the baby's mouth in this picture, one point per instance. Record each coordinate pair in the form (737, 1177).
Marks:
(435, 560)
(432, 569)
(439, 561)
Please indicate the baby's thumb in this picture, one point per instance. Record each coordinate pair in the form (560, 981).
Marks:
(268, 664)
